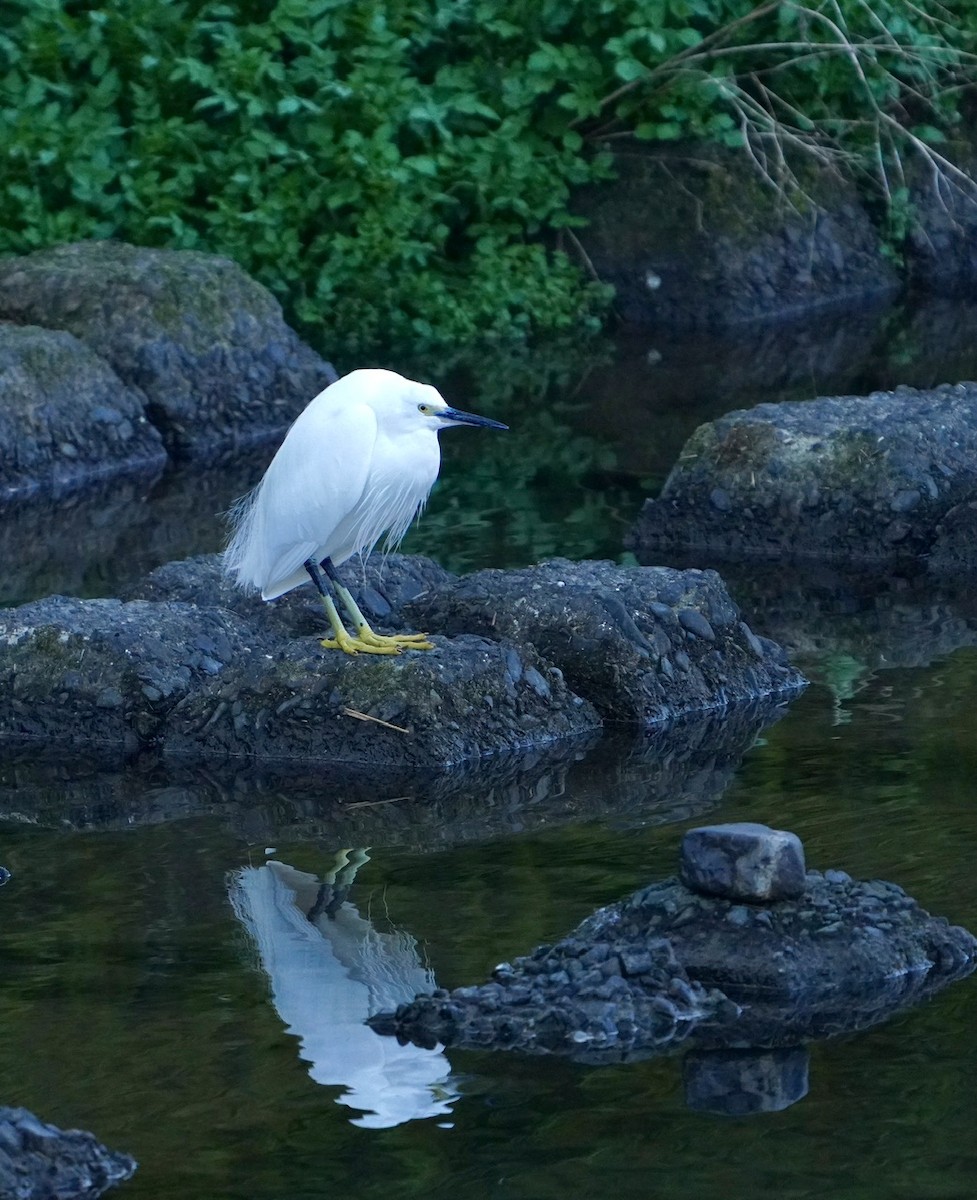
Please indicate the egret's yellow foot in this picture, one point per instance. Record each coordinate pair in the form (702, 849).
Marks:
(355, 645)
(404, 641)
(365, 640)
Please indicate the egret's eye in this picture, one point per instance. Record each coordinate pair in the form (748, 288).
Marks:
(424, 408)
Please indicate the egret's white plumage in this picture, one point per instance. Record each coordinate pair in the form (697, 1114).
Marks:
(358, 463)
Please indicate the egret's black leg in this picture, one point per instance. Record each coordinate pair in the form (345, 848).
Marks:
(379, 643)
(316, 575)
(329, 567)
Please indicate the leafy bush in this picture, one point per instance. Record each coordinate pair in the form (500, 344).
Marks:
(400, 172)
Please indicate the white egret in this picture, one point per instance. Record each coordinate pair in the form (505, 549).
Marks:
(358, 463)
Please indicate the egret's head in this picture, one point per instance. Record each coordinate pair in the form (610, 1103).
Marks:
(431, 406)
(405, 405)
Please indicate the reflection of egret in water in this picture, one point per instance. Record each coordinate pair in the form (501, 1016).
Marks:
(329, 970)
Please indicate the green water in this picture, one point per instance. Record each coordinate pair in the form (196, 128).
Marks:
(133, 1002)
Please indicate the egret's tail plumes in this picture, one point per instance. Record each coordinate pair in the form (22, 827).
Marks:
(238, 560)
(247, 558)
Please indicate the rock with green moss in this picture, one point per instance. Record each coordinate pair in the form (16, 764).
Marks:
(65, 416)
(855, 479)
(202, 681)
(204, 344)
(692, 237)
(189, 666)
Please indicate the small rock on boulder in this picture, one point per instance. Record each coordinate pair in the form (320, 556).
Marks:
(743, 861)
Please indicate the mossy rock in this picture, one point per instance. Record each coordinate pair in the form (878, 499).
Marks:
(853, 479)
(66, 418)
(206, 346)
(692, 237)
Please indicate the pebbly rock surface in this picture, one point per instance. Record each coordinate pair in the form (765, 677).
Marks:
(187, 665)
(643, 644)
(468, 697)
(205, 346)
(839, 936)
(669, 964)
(611, 997)
(41, 1162)
(201, 681)
(66, 418)
(954, 548)
(854, 479)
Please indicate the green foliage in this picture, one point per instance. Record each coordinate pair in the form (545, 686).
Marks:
(400, 172)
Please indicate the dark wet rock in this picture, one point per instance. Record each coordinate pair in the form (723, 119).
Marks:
(202, 680)
(198, 668)
(743, 861)
(857, 479)
(418, 710)
(100, 672)
(841, 956)
(680, 255)
(4, 876)
(41, 1162)
(205, 345)
(642, 644)
(835, 937)
(741, 1083)
(954, 549)
(65, 416)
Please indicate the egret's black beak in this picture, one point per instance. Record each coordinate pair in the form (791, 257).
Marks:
(462, 418)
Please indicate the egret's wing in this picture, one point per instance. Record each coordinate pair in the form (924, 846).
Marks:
(312, 486)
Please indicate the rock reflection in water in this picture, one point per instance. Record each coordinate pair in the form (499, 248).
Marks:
(97, 540)
(330, 968)
(844, 626)
(667, 774)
